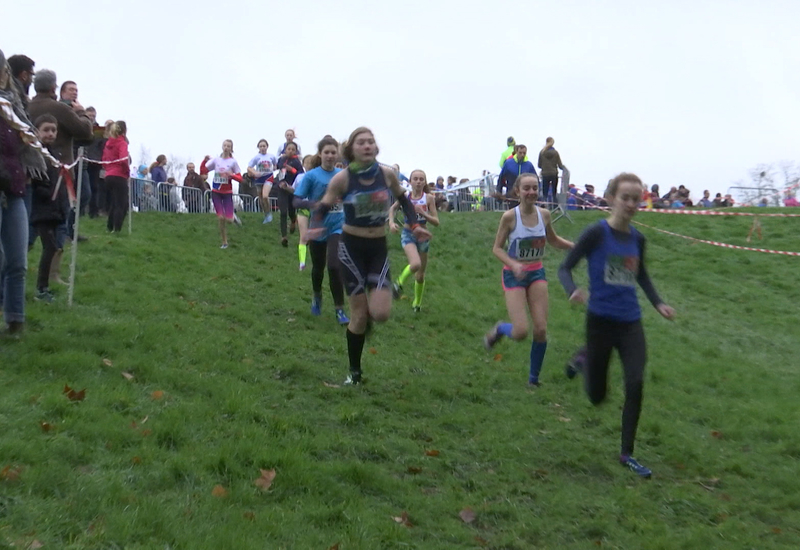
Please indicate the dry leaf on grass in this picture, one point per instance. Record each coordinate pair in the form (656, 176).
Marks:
(156, 395)
(35, 545)
(716, 435)
(498, 357)
(402, 519)
(73, 395)
(107, 362)
(10, 474)
(564, 419)
(777, 530)
(467, 515)
(334, 547)
(329, 385)
(127, 376)
(249, 515)
(373, 351)
(219, 491)
(265, 481)
(482, 541)
(45, 426)
(136, 460)
(414, 470)
(432, 452)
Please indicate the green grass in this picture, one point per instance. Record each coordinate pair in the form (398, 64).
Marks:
(227, 336)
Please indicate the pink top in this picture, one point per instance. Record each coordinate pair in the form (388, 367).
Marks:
(116, 149)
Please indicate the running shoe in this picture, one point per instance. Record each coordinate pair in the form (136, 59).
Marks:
(267, 219)
(533, 385)
(285, 242)
(44, 296)
(492, 337)
(237, 221)
(416, 309)
(302, 267)
(353, 379)
(397, 291)
(224, 246)
(316, 306)
(635, 467)
(341, 318)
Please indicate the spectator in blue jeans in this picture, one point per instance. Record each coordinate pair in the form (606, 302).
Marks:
(18, 161)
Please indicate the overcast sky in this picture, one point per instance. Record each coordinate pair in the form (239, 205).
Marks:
(678, 91)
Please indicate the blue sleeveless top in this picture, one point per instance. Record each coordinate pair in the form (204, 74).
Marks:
(613, 269)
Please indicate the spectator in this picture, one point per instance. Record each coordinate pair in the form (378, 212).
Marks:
(94, 151)
(705, 202)
(19, 159)
(159, 175)
(49, 209)
(763, 202)
(22, 70)
(290, 137)
(791, 200)
(117, 174)
(193, 180)
(73, 123)
(683, 196)
(572, 199)
(508, 152)
(512, 169)
(728, 201)
(69, 92)
(590, 200)
(717, 200)
(549, 162)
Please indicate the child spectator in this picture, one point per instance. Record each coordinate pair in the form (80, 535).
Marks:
(49, 207)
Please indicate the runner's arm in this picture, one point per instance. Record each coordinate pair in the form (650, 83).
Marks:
(587, 242)
(643, 278)
(552, 238)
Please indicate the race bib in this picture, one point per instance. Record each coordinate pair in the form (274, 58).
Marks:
(531, 249)
(371, 205)
(264, 167)
(420, 208)
(336, 208)
(621, 270)
(221, 179)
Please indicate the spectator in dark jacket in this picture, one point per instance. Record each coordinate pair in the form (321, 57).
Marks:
(73, 123)
(49, 209)
(22, 70)
(159, 175)
(549, 163)
(194, 186)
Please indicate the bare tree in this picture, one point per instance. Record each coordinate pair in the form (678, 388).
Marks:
(144, 155)
(176, 167)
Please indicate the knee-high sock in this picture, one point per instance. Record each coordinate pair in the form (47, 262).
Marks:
(404, 275)
(355, 346)
(419, 288)
(302, 250)
(538, 350)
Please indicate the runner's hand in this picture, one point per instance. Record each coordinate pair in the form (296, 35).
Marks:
(518, 269)
(422, 234)
(314, 233)
(578, 297)
(393, 227)
(666, 311)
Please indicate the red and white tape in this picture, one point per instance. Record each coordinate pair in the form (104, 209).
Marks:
(723, 245)
(719, 213)
(70, 166)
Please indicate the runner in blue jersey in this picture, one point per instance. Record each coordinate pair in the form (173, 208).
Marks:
(365, 188)
(416, 252)
(527, 229)
(324, 249)
(615, 254)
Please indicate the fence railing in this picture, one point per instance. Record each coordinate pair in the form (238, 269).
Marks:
(148, 196)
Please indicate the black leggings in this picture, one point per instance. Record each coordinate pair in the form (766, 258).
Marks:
(47, 232)
(117, 191)
(287, 209)
(602, 336)
(322, 253)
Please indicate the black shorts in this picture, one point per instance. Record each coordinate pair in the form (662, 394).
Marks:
(365, 264)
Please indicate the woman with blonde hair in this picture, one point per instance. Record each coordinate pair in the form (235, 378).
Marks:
(117, 174)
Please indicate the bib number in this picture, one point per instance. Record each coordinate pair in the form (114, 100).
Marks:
(220, 179)
(621, 270)
(336, 208)
(531, 249)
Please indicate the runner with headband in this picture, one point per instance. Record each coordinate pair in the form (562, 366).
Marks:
(365, 189)
(527, 229)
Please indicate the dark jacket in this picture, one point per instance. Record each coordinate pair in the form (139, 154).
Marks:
(72, 125)
(550, 162)
(292, 165)
(12, 172)
(44, 209)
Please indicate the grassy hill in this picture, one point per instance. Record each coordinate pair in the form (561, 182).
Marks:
(227, 373)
